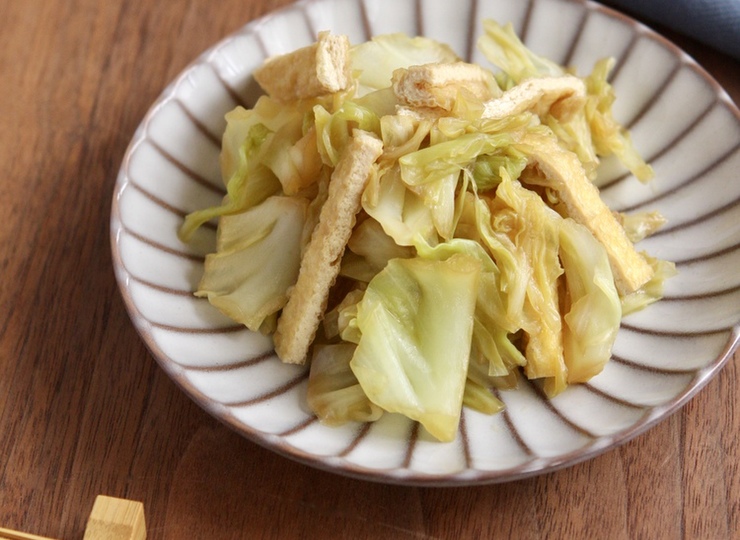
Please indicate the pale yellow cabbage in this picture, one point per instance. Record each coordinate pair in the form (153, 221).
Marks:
(256, 260)
(536, 234)
(592, 308)
(416, 322)
(374, 61)
(333, 391)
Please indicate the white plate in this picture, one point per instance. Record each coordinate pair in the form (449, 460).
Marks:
(681, 121)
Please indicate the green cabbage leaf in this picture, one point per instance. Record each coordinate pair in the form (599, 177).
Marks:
(416, 322)
(534, 228)
(652, 291)
(503, 48)
(373, 62)
(593, 308)
(256, 260)
(369, 250)
(400, 211)
(333, 392)
(491, 340)
(640, 225)
(435, 171)
(334, 129)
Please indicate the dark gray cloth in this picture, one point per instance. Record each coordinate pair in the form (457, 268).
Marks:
(713, 22)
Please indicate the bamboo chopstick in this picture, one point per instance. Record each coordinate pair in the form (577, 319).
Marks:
(7, 534)
(111, 519)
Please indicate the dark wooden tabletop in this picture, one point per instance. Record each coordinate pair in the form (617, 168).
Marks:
(85, 410)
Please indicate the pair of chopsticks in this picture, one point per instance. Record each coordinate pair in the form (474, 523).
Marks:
(111, 519)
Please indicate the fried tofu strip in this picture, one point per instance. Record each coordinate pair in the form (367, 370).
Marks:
(560, 96)
(437, 85)
(312, 71)
(300, 319)
(564, 172)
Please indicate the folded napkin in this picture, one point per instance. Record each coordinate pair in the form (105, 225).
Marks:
(713, 22)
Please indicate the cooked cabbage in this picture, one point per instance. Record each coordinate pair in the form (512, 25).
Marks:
(333, 391)
(466, 267)
(374, 61)
(592, 307)
(534, 228)
(256, 260)
(416, 322)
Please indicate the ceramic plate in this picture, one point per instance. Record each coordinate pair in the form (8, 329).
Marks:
(681, 121)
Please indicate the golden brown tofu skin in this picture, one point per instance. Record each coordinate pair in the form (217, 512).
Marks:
(563, 172)
(320, 264)
(559, 96)
(438, 85)
(319, 69)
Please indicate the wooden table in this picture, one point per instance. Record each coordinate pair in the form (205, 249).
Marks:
(85, 410)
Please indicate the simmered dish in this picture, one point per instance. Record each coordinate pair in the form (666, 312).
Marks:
(421, 229)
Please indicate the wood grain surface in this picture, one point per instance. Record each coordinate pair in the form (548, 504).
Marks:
(85, 410)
